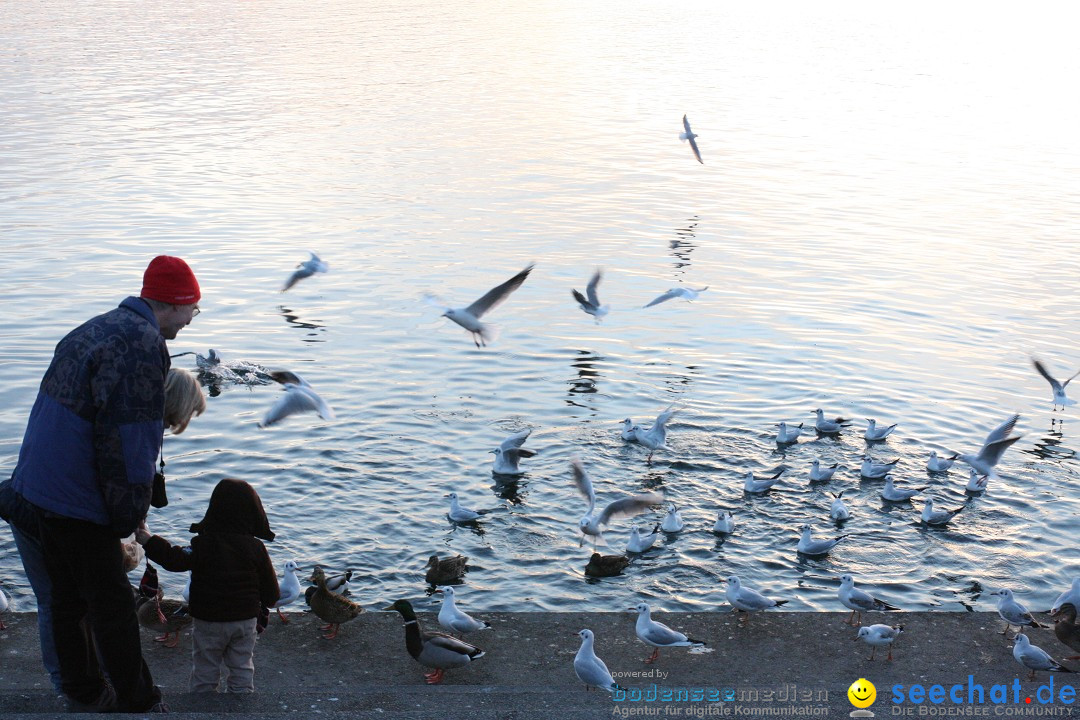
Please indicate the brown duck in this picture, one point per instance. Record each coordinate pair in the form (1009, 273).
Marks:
(1066, 628)
(332, 608)
(157, 613)
(606, 565)
(446, 570)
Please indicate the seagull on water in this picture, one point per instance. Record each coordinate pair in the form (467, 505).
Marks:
(725, 523)
(874, 433)
(690, 135)
(997, 442)
(658, 634)
(930, 516)
(469, 317)
(593, 523)
(895, 494)
(939, 464)
(630, 430)
(859, 601)
(509, 452)
(875, 470)
(673, 521)
(639, 543)
(787, 435)
(877, 635)
(460, 514)
(753, 485)
(1056, 385)
(680, 292)
(1013, 612)
(839, 511)
(976, 483)
(590, 302)
(809, 546)
(829, 427)
(305, 270)
(590, 669)
(820, 474)
(1035, 658)
(747, 600)
(453, 619)
(655, 438)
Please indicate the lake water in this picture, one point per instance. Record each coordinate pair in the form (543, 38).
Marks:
(887, 219)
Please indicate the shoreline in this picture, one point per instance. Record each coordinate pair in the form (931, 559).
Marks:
(782, 660)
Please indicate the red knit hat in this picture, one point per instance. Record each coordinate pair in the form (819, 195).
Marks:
(170, 280)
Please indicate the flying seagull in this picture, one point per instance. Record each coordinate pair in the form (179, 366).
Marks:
(690, 135)
(469, 317)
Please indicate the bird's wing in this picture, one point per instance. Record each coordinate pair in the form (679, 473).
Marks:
(1066, 383)
(662, 418)
(863, 599)
(686, 124)
(584, 301)
(1049, 378)
(629, 506)
(516, 440)
(1002, 431)
(590, 289)
(516, 453)
(674, 292)
(992, 452)
(582, 482)
(287, 376)
(694, 147)
(497, 294)
(661, 634)
(439, 641)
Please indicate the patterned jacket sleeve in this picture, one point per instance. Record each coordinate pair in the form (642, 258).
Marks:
(128, 389)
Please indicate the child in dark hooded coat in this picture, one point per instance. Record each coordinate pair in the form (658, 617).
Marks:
(232, 578)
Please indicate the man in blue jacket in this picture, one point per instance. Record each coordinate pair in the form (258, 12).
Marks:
(87, 465)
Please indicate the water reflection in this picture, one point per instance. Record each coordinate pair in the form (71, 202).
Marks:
(682, 245)
(1051, 447)
(293, 319)
(509, 487)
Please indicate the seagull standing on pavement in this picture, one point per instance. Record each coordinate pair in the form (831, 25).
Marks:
(658, 634)
(590, 669)
(1035, 658)
(859, 601)
(877, 635)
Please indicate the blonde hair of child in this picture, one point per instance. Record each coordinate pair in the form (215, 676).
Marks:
(184, 399)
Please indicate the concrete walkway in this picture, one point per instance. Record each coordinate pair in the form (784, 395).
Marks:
(782, 664)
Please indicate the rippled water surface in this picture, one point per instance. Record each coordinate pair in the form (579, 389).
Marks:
(887, 220)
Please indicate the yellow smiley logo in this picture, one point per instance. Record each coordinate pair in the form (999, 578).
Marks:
(862, 693)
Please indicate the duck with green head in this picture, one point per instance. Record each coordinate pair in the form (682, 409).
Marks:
(433, 649)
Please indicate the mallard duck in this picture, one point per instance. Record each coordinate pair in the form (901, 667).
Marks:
(158, 613)
(606, 565)
(1066, 628)
(445, 570)
(434, 650)
(329, 606)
